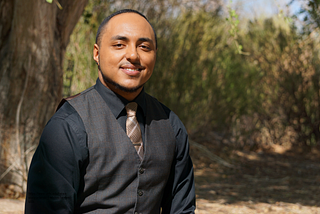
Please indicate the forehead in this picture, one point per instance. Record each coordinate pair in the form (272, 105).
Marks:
(129, 25)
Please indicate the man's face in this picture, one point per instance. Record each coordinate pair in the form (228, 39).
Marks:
(126, 55)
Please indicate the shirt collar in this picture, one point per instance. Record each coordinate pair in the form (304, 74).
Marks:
(115, 102)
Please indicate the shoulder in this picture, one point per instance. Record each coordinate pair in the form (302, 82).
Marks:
(175, 121)
(64, 136)
(64, 123)
(67, 114)
(157, 103)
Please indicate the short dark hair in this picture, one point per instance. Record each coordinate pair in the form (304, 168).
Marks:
(106, 20)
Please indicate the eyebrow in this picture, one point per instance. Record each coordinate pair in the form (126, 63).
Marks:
(117, 37)
(123, 38)
(143, 39)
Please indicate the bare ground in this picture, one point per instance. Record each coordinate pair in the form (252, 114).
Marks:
(261, 182)
(275, 181)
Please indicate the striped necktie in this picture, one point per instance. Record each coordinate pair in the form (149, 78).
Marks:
(133, 128)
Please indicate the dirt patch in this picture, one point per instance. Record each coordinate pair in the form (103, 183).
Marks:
(11, 206)
(210, 207)
(260, 182)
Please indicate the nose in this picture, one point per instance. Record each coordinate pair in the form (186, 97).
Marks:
(132, 53)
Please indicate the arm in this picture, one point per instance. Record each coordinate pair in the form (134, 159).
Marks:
(54, 172)
(179, 196)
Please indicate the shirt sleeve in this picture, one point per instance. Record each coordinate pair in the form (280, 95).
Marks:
(54, 173)
(179, 196)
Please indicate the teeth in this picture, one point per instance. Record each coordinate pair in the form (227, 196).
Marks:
(129, 69)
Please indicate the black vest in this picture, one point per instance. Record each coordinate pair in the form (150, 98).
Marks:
(115, 180)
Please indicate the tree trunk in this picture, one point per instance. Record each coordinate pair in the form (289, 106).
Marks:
(33, 39)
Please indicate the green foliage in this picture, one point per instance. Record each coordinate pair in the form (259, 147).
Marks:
(200, 75)
(234, 21)
(312, 16)
(290, 78)
(80, 68)
(271, 96)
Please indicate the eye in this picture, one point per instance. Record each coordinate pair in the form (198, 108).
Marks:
(145, 47)
(119, 45)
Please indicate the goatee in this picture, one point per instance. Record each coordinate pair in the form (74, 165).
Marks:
(117, 85)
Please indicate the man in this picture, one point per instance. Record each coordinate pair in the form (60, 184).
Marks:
(94, 157)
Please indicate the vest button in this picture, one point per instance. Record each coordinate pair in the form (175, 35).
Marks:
(140, 192)
(141, 171)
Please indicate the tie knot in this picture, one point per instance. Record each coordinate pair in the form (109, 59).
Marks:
(131, 109)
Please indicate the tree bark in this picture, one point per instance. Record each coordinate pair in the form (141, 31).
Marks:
(34, 35)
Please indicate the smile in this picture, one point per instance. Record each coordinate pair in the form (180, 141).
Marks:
(130, 69)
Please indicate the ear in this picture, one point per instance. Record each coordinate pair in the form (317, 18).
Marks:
(96, 53)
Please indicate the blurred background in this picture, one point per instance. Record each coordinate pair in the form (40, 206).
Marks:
(245, 70)
(243, 76)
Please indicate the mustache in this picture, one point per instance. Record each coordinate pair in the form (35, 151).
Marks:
(137, 65)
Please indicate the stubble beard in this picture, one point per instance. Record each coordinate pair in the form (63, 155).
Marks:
(117, 85)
